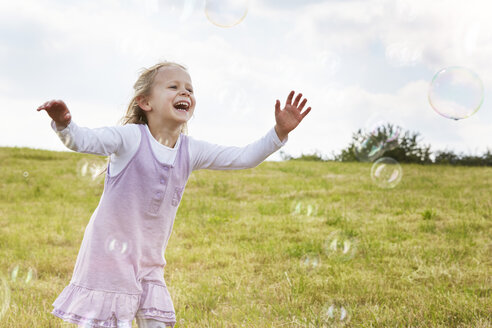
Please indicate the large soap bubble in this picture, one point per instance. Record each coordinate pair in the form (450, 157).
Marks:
(456, 92)
(375, 139)
(226, 13)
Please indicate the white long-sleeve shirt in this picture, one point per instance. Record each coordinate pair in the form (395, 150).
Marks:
(121, 143)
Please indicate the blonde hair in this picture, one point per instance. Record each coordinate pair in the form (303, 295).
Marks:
(143, 88)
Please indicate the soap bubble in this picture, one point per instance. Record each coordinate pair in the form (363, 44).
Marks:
(311, 261)
(456, 92)
(67, 141)
(376, 138)
(309, 210)
(300, 208)
(297, 208)
(118, 246)
(368, 149)
(386, 172)
(234, 100)
(406, 10)
(327, 62)
(226, 13)
(335, 314)
(4, 296)
(91, 170)
(403, 54)
(22, 274)
(339, 245)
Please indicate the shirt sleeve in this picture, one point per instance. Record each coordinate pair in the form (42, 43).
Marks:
(103, 141)
(205, 155)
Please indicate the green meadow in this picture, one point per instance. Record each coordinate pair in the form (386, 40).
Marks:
(285, 244)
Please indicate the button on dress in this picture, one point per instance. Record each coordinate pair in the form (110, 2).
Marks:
(119, 272)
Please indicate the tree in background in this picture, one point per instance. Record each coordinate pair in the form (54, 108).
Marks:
(389, 140)
(449, 157)
(446, 157)
(386, 141)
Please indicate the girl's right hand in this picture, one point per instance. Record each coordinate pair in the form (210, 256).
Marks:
(58, 111)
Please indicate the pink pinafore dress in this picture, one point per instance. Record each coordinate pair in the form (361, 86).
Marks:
(119, 272)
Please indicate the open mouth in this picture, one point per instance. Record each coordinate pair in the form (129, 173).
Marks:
(182, 106)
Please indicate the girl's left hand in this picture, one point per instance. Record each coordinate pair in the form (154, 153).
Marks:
(290, 117)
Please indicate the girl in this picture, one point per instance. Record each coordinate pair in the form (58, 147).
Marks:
(119, 272)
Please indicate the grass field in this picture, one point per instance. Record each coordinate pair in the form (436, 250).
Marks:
(286, 244)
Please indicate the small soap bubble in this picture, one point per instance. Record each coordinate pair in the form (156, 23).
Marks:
(97, 169)
(403, 54)
(82, 167)
(339, 245)
(91, 170)
(300, 208)
(312, 209)
(335, 314)
(241, 67)
(226, 13)
(22, 274)
(234, 100)
(25, 174)
(4, 296)
(67, 141)
(406, 10)
(386, 172)
(327, 62)
(456, 92)
(134, 46)
(297, 208)
(118, 246)
(311, 261)
(309, 210)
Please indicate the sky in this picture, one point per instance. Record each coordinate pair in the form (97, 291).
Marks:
(355, 61)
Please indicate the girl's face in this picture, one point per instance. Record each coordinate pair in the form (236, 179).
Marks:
(172, 97)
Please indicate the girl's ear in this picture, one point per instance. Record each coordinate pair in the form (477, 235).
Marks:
(143, 103)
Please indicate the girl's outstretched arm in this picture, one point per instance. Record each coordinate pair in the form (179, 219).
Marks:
(206, 155)
(289, 118)
(58, 111)
(105, 141)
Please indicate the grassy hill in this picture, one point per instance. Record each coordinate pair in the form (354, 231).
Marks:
(286, 244)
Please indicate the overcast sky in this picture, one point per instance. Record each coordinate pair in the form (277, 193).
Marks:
(355, 62)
